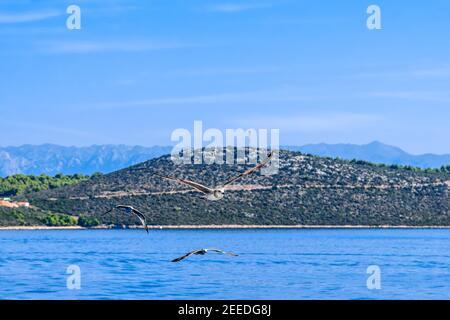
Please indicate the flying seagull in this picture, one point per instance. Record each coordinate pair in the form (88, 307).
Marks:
(202, 252)
(133, 211)
(217, 193)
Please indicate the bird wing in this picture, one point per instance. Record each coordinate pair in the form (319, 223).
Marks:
(195, 185)
(110, 210)
(141, 217)
(121, 206)
(223, 252)
(250, 171)
(187, 255)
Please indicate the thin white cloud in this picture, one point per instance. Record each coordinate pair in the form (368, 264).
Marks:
(235, 7)
(299, 21)
(29, 30)
(436, 71)
(312, 123)
(11, 18)
(432, 96)
(443, 71)
(44, 128)
(75, 47)
(105, 8)
(235, 98)
(224, 71)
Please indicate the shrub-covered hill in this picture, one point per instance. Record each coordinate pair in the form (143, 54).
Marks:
(19, 184)
(13, 217)
(307, 190)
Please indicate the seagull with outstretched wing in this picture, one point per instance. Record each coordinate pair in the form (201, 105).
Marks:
(203, 252)
(217, 193)
(250, 171)
(133, 211)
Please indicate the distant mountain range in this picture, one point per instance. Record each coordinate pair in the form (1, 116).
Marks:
(375, 152)
(52, 159)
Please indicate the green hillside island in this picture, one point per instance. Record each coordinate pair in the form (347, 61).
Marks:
(21, 184)
(308, 190)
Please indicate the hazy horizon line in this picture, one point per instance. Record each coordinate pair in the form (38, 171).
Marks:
(174, 144)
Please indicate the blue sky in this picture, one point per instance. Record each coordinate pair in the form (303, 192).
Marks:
(137, 70)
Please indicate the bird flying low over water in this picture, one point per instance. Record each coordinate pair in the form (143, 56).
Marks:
(217, 193)
(203, 252)
(133, 211)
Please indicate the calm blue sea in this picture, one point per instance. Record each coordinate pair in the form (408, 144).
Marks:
(273, 264)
